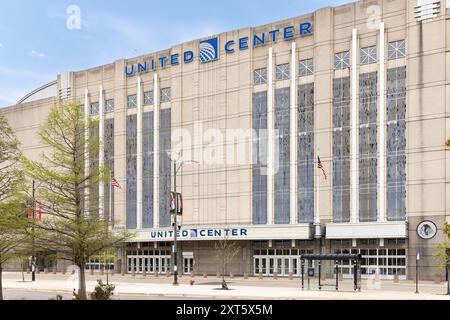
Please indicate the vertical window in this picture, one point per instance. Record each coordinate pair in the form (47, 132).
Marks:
(397, 49)
(306, 67)
(259, 181)
(368, 55)
(147, 177)
(166, 95)
(94, 133)
(95, 107)
(368, 96)
(341, 150)
(109, 163)
(306, 153)
(109, 105)
(164, 167)
(131, 167)
(342, 60)
(396, 144)
(283, 71)
(132, 101)
(282, 171)
(148, 98)
(260, 76)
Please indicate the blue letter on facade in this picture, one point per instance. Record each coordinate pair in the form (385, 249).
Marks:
(305, 28)
(243, 43)
(228, 45)
(129, 73)
(174, 59)
(259, 40)
(274, 34)
(288, 32)
(142, 67)
(188, 56)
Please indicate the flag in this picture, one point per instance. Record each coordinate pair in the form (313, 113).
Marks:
(320, 167)
(115, 184)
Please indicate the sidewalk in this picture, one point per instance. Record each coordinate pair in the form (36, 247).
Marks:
(281, 289)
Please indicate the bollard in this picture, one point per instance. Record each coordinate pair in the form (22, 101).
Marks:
(46, 271)
(64, 270)
(396, 278)
(133, 273)
(54, 270)
(218, 275)
(144, 274)
(156, 274)
(92, 272)
(168, 273)
(245, 275)
(231, 275)
(260, 276)
(102, 272)
(123, 273)
(275, 276)
(205, 275)
(291, 276)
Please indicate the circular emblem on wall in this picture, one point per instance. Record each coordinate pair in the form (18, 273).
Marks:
(426, 230)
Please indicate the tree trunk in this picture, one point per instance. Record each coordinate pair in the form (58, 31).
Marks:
(1, 285)
(82, 284)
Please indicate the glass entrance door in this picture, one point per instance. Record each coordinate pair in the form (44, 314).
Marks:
(188, 265)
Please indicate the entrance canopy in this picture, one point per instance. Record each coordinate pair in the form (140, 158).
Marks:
(332, 257)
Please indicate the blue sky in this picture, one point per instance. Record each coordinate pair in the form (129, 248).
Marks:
(36, 44)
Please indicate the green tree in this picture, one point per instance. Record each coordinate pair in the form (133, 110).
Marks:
(12, 222)
(442, 255)
(226, 250)
(72, 225)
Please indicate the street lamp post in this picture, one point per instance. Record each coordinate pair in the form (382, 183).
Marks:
(33, 257)
(175, 222)
(417, 271)
(175, 227)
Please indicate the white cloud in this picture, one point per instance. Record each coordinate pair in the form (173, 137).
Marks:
(38, 55)
(1, 45)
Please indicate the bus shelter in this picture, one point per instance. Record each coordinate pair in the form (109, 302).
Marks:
(355, 260)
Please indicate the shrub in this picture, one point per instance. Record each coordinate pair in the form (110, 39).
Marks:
(102, 291)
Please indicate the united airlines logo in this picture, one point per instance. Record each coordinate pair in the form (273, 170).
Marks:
(209, 50)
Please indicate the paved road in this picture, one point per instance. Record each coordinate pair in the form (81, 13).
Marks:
(45, 295)
(159, 288)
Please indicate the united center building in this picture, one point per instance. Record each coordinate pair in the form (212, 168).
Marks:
(364, 86)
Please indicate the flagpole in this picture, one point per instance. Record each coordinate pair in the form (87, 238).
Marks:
(110, 199)
(318, 231)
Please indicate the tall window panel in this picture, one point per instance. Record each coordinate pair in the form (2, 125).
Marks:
(305, 155)
(131, 171)
(341, 150)
(368, 97)
(109, 163)
(94, 165)
(259, 181)
(396, 144)
(147, 177)
(164, 168)
(282, 166)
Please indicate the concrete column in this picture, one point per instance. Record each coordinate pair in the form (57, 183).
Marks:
(101, 156)
(382, 129)
(139, 155)
(86, 147)
(156, 153)
(271, 141)
(294, 136)
(354, 131)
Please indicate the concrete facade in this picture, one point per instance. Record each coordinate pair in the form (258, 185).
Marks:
(218, 95)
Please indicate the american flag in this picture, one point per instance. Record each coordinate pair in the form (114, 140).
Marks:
(320, 166)
(115, 184)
